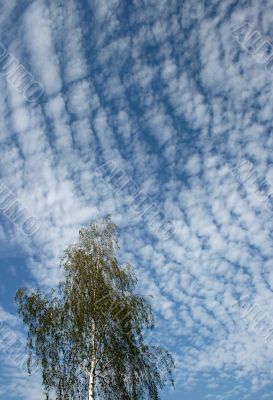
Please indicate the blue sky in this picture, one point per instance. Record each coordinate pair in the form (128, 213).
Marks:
(165, 91)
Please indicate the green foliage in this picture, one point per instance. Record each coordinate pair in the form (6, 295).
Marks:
(87, 336)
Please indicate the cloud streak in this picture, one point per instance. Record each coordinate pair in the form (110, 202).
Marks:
(175, 103)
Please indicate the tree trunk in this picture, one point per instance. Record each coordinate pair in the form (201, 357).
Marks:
(91, 389)
(91, 394)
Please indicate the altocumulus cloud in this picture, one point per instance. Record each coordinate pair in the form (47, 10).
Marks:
(173, 100)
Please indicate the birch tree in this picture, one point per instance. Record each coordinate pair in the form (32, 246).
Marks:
(88, 335)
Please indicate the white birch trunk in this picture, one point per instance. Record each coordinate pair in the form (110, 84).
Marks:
(92, 375)
(91, 394)
(91, 389)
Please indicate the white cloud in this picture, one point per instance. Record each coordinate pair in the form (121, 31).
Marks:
(176, 109)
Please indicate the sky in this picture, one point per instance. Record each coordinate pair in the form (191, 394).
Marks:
(150, 110)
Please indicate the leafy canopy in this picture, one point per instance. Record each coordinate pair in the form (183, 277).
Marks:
(87, 336)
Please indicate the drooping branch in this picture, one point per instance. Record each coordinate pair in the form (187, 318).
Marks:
(85, 346)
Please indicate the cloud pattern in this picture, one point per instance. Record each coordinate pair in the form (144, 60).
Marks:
(162, 89)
